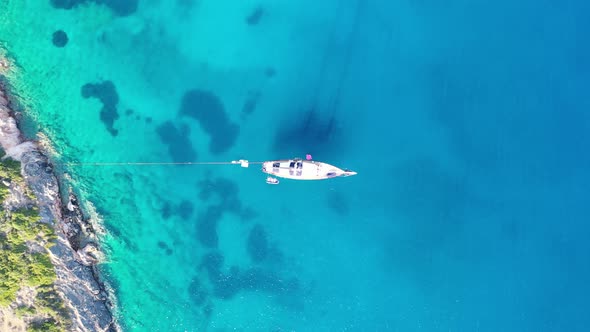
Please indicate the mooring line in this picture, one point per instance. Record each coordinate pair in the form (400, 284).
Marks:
(234, 162)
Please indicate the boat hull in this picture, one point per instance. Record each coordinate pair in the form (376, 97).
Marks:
(297, 169)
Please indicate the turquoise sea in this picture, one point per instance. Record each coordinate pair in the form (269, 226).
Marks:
(467, 122)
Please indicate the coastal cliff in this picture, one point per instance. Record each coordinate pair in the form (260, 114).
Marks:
(70, 296)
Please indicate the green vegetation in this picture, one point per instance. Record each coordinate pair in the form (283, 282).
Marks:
(24, 258)
(10, 168)
(9, 171)
(19, 266)
(46, 326)
(23, 311)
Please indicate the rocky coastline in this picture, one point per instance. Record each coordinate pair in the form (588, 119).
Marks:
(75, 253)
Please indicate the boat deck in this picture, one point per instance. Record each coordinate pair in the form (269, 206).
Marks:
(298, 169)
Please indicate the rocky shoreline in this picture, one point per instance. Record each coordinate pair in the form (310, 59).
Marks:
(76, 252)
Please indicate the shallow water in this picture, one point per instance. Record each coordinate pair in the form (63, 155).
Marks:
(466, 122)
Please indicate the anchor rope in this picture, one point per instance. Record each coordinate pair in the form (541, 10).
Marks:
(235, 162)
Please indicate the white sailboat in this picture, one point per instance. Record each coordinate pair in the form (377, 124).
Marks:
(299, 169)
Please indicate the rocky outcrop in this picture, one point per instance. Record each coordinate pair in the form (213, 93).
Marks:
(76, 251)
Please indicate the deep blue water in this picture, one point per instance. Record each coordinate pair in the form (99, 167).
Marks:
(467, 122)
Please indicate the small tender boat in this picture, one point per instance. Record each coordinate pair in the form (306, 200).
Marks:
(298, 169)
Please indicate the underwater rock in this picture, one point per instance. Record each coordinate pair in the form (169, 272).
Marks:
(212, 263)
(226, 191)
(228, 285)
(166, 210)
(185, 209)
(196, 292)
(255, 16)
(207, 226)
(185, 7)
(250, 104)
(260, 280)
(179, 145)
(270, 72)
(106, 93)
(59, 38)
(162, 245)
(227, 200)
(257, 244)
(119, 7)
(208, 310)
(208, 110)
(225, 286)
(66, 4)
(247, 213)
